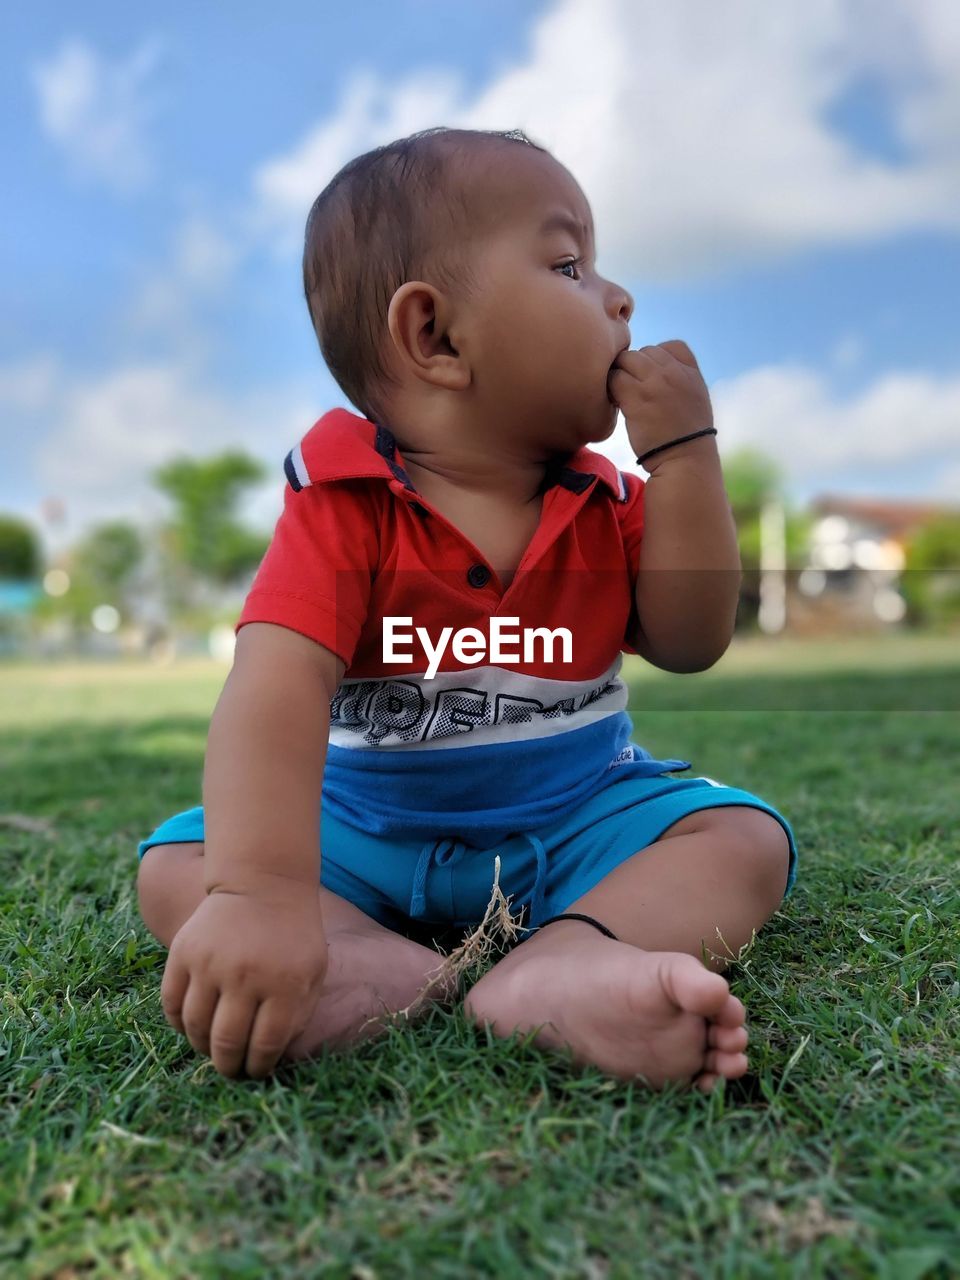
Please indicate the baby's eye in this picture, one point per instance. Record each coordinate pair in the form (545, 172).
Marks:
(574, 262)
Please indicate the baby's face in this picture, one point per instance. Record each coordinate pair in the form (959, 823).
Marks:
(546, 326)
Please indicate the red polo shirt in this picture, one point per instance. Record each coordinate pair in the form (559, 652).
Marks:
(482, 747)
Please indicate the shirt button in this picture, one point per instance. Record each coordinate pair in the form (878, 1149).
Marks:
(478, 575)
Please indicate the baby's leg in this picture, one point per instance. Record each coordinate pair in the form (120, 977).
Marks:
(373, 971)
(646, 1004)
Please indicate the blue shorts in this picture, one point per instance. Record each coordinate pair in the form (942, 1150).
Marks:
(446, 881)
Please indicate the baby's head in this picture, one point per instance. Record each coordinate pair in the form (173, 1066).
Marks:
(436, 292)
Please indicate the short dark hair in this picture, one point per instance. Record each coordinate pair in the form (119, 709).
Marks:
(400, 212)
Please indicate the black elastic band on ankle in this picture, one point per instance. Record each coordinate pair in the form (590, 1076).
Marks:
(575, 915)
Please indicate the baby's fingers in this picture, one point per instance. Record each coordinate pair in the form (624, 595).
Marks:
(197, 1013)
(230, 1031)
(173, 988)
(274, 1027)
(681, 351)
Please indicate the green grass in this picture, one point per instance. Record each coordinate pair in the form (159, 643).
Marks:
(439, 1151)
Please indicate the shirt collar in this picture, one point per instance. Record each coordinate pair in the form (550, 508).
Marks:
(343, 446)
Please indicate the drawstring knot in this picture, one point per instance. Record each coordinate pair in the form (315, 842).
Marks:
(448, 851)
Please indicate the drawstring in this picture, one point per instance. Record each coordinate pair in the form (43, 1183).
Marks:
(448, 852)
(536, 907)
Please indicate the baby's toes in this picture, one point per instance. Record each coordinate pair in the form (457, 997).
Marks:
(729, 1039)
(732, 1014)
(728, 1065)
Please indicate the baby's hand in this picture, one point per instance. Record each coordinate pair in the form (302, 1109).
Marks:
(244, 975)
(661, 393)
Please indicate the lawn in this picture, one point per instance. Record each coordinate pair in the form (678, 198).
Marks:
(439, 1151)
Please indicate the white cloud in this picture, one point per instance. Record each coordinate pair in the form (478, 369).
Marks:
(696, 131)
(847, 351)
(97, 111)
(204, 258)
(112, 431)
(29, 387)
(928, 115)
(899, 422)
(371, 113)
(202, 262)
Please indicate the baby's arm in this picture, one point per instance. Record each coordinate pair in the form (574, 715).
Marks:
(688, 573)
(688, 578)
(249, 964)
(266, 750)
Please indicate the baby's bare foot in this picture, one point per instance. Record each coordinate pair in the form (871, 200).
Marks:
(659, 1014)
(371, 976)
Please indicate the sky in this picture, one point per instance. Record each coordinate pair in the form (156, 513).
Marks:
(777, 185)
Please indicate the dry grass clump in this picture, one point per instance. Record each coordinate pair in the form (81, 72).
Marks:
(497, 924)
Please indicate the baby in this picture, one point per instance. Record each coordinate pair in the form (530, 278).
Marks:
(433, 643)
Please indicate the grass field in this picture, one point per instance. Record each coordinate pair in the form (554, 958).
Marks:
(439, 1151)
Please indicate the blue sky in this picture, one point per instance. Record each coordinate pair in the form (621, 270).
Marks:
(776, 185)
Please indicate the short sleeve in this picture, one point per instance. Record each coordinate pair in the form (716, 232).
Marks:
(316, 575)
(631, 529)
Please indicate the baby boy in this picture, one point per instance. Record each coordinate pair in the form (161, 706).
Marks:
(453, 286)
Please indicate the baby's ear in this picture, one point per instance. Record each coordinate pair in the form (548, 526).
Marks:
(416, 323)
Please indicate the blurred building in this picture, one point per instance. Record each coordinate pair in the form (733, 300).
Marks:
(856, 558)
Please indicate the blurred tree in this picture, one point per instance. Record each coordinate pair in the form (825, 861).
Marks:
(752, 479)
(931, 581)
(19, 549)
(100, 567)
(205, 533)
(108, 556)
(76, 605)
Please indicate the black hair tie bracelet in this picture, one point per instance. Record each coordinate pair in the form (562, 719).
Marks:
(576, 915)
(707, 431)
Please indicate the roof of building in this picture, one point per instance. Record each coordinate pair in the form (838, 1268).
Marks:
(896, 518)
